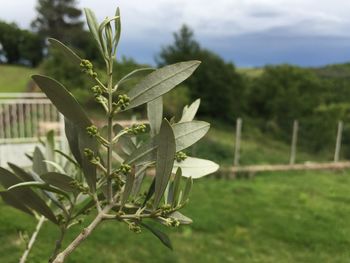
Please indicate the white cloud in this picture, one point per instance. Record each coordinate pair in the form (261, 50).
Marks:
(208, 17)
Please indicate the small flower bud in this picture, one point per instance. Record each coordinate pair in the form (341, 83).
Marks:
(92, 131)
(180, 156)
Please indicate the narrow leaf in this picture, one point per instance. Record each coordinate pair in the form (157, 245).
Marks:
(159, 234)
(93, 26)
(176, 187)
(20, 172)
(39, 185)
(184, 220)
(165, 160)
(186, 134)
(130, 178)
(195, 167)
(160, 82)
(189, 112)
(59, 180)
(73, 57)
(187, 190)
(11, 199)
(72, 134)
(26, 196)
(63, 100)
(155, 115)
(39, 166)
(137, 73)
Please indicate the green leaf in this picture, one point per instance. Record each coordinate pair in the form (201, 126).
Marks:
(54, 167)
(184, 220)
(89, 169)
(188, 187)
(26, 196)
(165, 160)
(39, 166)
(59, 180)
(176, 187)
(73, 57)
(150, 192)
(117, 28)
(160, 82)
(195, 167)
(72, 134)
(130, 178)
(63, 100)
(160, 235)
(42, 186)
(11, 199)
(186, 134)
(50, 146)
(93, 26)
(155, 115)
(20, 172)
(140, 173)
(68, 158)
(134, 74)
(189, 113)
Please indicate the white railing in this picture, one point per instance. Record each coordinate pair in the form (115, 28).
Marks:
(24, 118)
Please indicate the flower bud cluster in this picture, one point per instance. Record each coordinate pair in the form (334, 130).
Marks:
(91, 156)
(134, 227)
(136, 129)
(171, 222)
(79, 186)
(124, 169)
(92, 131)
(180, 156)
(123, 102)
(87, 67)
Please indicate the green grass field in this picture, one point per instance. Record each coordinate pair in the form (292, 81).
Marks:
(14, 78)
(290, 217)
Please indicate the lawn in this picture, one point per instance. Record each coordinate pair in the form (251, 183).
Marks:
(15, 78)
(289, 217)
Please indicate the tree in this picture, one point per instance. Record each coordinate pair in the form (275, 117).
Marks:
(59, 19)
(20, 46)
(215, 81)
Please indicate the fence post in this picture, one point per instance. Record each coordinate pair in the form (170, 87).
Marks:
(338, 141)
(237, 141)
(294, 142)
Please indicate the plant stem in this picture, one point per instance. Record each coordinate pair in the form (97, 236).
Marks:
(58, 244)
(32, 240)
(110, 131)
(82, 236)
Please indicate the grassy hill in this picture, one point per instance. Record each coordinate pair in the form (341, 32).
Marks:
(15, 78)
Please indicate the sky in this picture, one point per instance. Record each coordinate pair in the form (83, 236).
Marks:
(249, 33)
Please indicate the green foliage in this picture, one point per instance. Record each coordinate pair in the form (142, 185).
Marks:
(20, 46)
(111, 161)
(216, 81)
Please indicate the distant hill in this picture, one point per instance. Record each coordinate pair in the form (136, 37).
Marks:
(334, 71)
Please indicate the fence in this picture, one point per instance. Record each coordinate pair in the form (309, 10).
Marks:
(335, 165)
(25, 117)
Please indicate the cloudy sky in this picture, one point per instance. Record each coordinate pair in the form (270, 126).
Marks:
(247, 32)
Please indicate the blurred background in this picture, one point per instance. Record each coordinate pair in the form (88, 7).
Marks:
(270, 64)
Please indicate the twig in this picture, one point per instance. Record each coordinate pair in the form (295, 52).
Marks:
(32, 240)
(82, 236)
